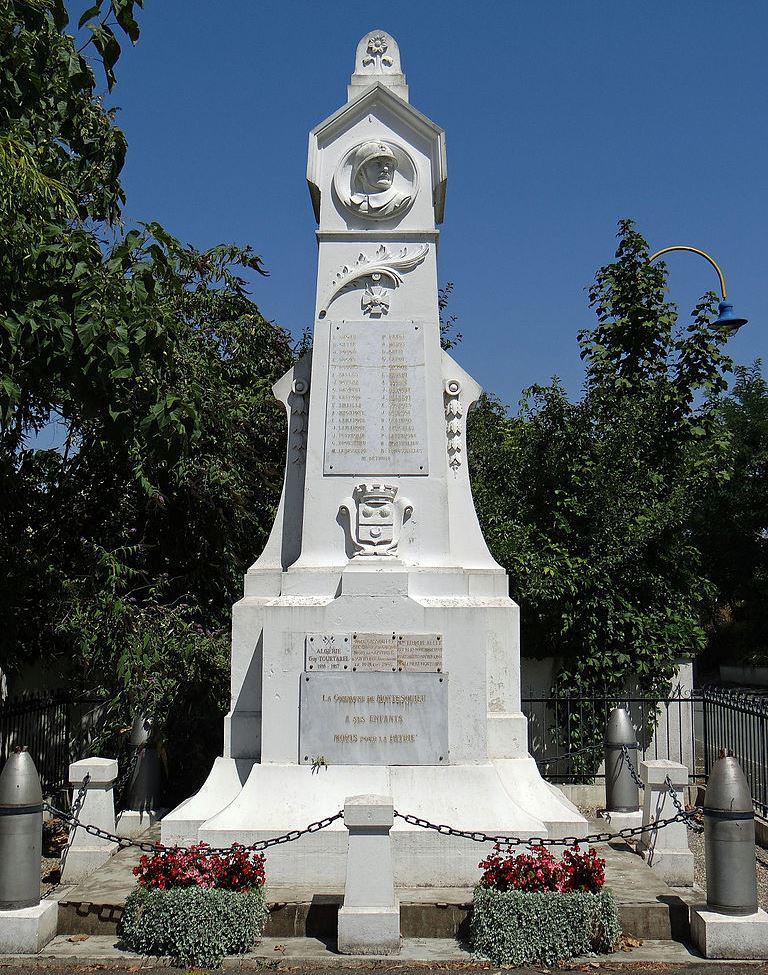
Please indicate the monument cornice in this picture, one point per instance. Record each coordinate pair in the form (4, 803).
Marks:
(394, 234)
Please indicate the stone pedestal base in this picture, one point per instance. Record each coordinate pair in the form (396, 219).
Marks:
(82, 861)
(622, 820)
(86, 853)
(132, 822)
(369, 921)
(724, 936)
(674, 867)
(504, 796)
(28, 930)
(666, 849)
(369, 932)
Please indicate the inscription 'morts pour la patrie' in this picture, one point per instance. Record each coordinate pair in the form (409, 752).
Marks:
(376, 416)
(374, 719)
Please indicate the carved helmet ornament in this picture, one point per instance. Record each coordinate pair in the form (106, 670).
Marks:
(376, 180)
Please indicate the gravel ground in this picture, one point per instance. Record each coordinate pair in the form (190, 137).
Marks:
(54, 840)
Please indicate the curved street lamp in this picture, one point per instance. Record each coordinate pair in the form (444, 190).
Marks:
(725, 316)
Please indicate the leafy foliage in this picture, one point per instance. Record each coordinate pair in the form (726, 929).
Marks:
(731, 529)
(590, 504)
(121, 550)
(449, 337)
(194, 925)
(513, 927)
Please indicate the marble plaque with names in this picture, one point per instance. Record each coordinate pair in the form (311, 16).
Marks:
(328, 651)
(376, 413)
(420, 652)
(374, 719)
(374, 652)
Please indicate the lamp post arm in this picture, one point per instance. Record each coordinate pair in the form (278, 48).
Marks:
(686, 247)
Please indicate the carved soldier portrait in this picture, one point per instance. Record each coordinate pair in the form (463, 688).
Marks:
(373, 169)
(376, 180)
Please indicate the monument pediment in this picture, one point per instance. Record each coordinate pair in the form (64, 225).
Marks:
(381, 104)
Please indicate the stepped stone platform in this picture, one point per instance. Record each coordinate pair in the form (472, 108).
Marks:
(648, 908)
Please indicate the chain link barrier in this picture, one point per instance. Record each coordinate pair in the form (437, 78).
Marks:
(77, 804)
(70, 818)
(589, 750)
(632, 770)
(120, 788)
(690, 822)
(682, 816)
(591, 839)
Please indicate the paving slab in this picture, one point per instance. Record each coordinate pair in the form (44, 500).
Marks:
(295, 953)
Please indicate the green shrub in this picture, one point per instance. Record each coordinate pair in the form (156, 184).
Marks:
(514, 927)
(195, 926)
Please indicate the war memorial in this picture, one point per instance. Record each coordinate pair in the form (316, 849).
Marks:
(375, 746)
(376, 647)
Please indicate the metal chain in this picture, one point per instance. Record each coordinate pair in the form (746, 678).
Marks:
(77, 803)
(593, 838)
(125, 841)
(694, 827)
(632, 770)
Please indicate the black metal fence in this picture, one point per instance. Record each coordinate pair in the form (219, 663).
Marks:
(686, 727)
(735, 719)
(560, 725)
(51, 725)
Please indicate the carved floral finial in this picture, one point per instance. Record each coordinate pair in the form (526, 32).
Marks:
(377, 59)
(377, 50)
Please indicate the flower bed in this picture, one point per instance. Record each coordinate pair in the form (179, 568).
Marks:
(196, 906)
(534, 908)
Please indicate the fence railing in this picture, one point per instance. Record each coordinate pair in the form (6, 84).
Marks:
(738, 720)
(559, 725)
(686, 727)
(690, 728)
(50, 725)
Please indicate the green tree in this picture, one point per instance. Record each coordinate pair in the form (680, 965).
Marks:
(121, 551)
(589, 504)
(731, 527)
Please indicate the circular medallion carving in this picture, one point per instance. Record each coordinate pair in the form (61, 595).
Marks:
(376, 180)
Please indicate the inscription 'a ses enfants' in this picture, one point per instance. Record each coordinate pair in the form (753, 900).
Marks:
(374, 718)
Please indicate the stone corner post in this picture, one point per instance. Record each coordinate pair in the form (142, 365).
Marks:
(731, 925)
(665, 850)
(27, 924)
(369, 920)
(84, 854)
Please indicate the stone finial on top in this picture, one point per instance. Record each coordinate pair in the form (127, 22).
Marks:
(377, 59)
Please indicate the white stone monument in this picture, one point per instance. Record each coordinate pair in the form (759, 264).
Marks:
(376, 649)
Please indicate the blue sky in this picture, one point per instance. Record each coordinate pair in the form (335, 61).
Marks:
(561, 117)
